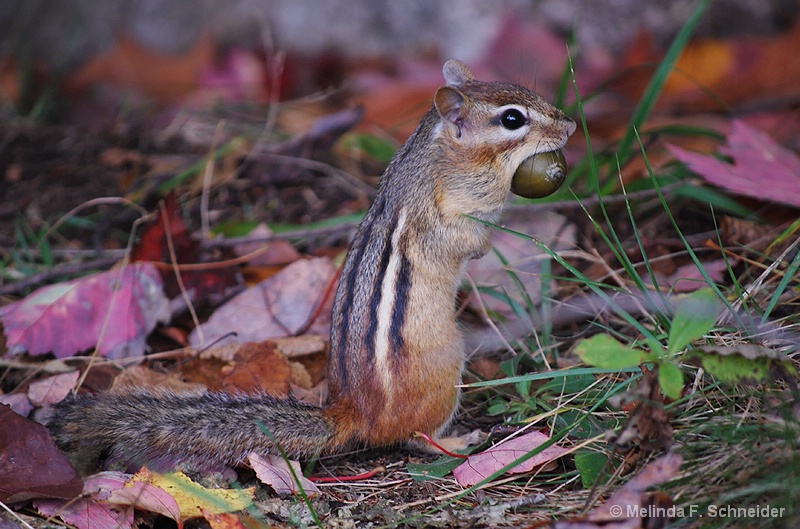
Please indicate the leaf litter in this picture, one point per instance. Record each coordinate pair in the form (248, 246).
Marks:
(657, 430)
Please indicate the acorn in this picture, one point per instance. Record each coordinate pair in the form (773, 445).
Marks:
(540, 175)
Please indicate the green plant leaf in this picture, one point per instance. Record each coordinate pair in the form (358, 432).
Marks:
(436, 470)
(606, 352)
(670, 378)
(590, 465)
(743, 364)
(695, 316)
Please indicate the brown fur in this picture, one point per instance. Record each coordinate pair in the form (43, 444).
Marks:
(407, 260)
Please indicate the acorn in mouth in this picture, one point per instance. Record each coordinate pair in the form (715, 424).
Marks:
(540, 175)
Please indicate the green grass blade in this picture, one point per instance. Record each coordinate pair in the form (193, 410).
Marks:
(690, 251)
(788, 276)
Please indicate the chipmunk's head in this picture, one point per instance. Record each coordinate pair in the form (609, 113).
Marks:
(506, 127)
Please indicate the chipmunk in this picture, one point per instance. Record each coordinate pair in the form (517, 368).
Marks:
(396, 353)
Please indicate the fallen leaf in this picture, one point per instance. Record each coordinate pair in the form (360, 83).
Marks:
(192, 498)
(113, 311)
(688, 278)
(144, 376)
(280, 306)
(513, 268)
(168, 235)
(310, 350)
(761, 168)
(19, 402)
(478, 467)
(146, 497)
(274, 471)
(31, 465)
(86, 513)
(649, 423)
(624, 508)
(226, 521)
(132, 65)
(743, 363)
(276, 252)
(52, 389)
(258, 366)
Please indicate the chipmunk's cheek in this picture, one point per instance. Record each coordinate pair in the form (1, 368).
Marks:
(540, 175)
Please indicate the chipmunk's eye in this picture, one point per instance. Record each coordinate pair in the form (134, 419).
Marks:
(512, 119)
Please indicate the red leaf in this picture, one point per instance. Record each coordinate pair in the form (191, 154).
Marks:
(114, 311)
(478, 467)
(761, 168)
(31, 466)
(154, 246)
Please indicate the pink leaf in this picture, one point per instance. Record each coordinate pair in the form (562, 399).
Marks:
(53, 389)
(19, 402)
(761, 168)
(480, 466)
(147, 497)
(274, 471)
(688, 278)
(113, 311)
(86, 513)
(279, 306)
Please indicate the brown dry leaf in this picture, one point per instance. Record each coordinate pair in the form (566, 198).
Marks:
(649, 422)
(628, 506)
(486, 368)
(129, 64)
(309, 350)
(271, 365)
(258, 366)
(204, 370)
(226, 520)
(143, 376)
(398, 107)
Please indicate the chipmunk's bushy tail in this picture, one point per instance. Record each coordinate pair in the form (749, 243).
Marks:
(204, 430)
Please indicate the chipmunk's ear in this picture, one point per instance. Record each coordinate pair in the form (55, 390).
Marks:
(457, 73)
(451, 105)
